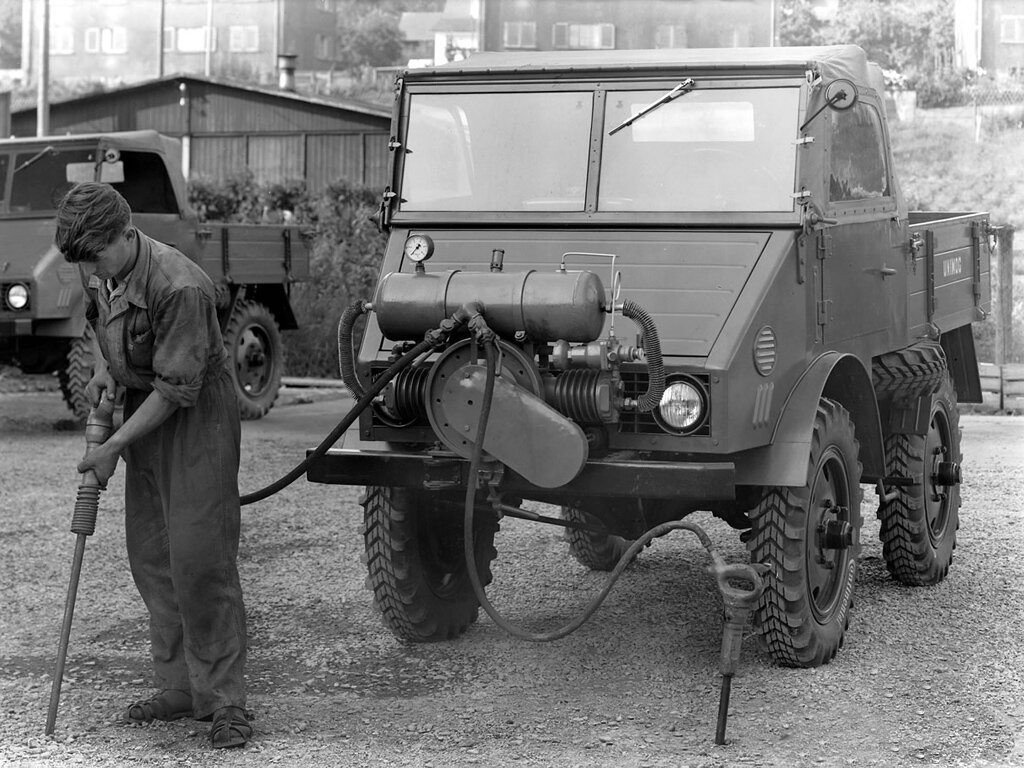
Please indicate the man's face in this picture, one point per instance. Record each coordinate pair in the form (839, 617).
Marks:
(112, 260)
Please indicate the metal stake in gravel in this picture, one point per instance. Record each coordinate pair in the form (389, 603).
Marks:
(98, 428)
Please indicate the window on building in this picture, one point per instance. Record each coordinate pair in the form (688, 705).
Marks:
(670, 36)
(568, 35)
(857, 167)
(114, 40)
(62, 40)
(92, 40)
(244, 39)
(193, 39)
(519, 34)
(325, 47)
(1011, 29)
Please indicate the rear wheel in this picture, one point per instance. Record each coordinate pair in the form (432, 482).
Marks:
(76, 372)
(809, 537)
(415, 562)
(256, 354)
(918, 527)
(597, 551)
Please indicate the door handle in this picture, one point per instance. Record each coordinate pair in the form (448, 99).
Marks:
(886, 272)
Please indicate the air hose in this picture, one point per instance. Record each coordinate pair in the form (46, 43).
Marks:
(362, 403)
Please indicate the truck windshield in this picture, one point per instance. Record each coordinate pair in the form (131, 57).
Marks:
(712, 150)
(722, 149)
(497, 152)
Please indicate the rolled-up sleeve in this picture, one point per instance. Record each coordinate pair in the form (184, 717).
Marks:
(181, 344)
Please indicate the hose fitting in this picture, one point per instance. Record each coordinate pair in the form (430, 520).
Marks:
(650, 399)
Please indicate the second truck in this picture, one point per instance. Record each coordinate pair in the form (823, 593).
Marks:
(42, 318)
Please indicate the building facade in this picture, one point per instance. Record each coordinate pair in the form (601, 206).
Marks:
(990, 36)
(127, 41)
(623, 24)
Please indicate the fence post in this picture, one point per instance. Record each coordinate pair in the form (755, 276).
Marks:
(1004, 297)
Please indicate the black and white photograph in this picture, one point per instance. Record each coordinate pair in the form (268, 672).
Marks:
(542, 383)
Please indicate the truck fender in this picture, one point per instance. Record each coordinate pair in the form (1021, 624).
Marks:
(839, 377)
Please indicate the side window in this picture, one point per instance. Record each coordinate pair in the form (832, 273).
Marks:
(146, 185)
(4, 163)
(857, 167)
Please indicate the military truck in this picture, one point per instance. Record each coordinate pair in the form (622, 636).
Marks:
(706, 293)
(42, 316)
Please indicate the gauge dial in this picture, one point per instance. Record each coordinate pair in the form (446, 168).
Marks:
(419, 248)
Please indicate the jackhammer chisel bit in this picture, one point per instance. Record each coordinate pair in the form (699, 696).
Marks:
(738, 605)
(98, 427)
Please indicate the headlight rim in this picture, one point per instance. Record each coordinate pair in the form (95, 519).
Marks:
(10, 303)
(705, 405)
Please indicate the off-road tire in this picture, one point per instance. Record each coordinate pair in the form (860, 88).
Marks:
(76, 372)
(913, 372)
(599, 552)
(415, 563)
(805, 609)
(918, 527)
(256, 357)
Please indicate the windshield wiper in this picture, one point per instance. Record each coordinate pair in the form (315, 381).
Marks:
(684, 87)
(41, 153)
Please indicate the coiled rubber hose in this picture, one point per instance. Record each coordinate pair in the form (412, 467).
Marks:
(650, 399)
(346, 349)
(364, 400)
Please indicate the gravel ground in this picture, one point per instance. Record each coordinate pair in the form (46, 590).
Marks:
(928, 676)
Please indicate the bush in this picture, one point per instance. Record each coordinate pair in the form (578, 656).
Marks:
(345, 253)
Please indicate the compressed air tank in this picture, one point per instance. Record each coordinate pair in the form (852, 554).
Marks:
(547, 306)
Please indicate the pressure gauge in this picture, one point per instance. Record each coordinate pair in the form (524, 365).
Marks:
(418, 248)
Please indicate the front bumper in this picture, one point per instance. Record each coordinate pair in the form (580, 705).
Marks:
(616, 475)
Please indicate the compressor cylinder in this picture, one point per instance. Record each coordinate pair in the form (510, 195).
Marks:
(546, 306)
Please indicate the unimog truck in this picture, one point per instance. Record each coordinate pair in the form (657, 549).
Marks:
(42, 315)
(667, 281)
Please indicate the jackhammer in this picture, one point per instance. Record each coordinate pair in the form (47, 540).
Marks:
(98, 427)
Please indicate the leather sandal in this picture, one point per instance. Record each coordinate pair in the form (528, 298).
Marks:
(166, 705)
(230, 728)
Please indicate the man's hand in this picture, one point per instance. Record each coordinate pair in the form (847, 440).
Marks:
(102, 460)
(101, 383)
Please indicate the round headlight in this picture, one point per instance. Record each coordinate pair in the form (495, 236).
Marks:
(683, 406)
(17, 296)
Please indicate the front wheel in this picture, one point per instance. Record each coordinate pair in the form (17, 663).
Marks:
(809, 538)
(918, 527)
(76, 373)
(256, 357)
(416, 564)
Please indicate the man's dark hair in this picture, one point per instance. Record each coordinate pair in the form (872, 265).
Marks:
(89, 218)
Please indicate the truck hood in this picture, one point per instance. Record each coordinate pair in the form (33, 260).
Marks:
(27, 250)
(688, 281)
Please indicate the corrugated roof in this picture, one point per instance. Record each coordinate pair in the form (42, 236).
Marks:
(351, 105)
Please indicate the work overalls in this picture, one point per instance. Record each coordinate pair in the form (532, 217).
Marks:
(158, 330)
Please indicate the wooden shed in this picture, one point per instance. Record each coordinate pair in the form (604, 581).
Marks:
(225, 128)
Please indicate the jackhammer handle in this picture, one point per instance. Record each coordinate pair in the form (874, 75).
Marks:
(98, 427)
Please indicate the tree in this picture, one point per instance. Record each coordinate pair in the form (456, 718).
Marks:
(370, 39)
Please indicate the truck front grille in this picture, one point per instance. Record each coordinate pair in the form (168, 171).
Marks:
(635, 423)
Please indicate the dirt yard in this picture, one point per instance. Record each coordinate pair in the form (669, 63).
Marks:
(927, 677)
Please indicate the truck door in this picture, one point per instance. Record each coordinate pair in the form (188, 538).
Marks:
(863, 268)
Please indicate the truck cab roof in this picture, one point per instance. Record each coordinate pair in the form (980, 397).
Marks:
(829, 62)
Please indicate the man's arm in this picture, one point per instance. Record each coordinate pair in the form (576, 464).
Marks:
(153, 412)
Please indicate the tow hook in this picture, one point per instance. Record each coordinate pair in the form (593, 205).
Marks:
(738, 605)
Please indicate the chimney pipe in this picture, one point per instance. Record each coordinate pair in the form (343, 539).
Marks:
(286, 71)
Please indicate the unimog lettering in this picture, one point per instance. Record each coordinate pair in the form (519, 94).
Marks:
(709, 296)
